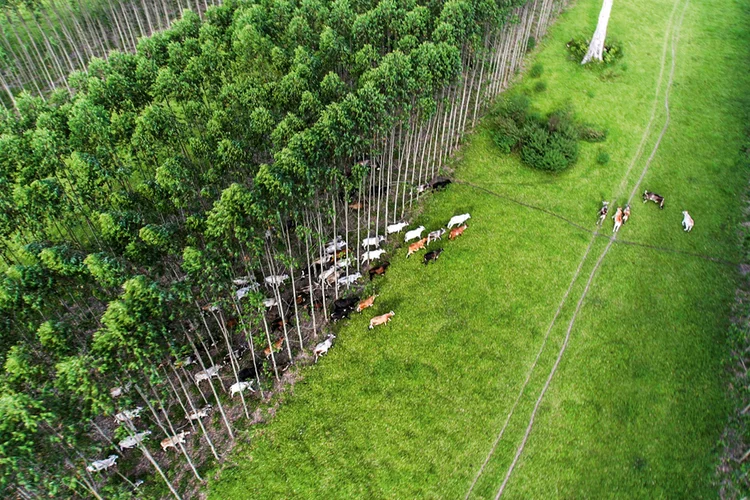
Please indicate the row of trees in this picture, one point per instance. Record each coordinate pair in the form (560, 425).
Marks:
(42, 41)
(147, 215)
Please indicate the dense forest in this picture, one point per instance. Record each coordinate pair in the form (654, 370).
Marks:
(177, 220)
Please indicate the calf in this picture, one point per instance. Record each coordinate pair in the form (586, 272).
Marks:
(127, 415)
(206, 374)
(625, 214)
(416, 246)
(277, 279)
(239, 387)
(132, 441)
(275, 347)
(457, 220)
(323, 347)
(618, 220)
(414, 233)
(368, 302)
(456, 232)
(202, 413)
(380, 270)
(396, 228)
(372, 255)
(350, 279)
(373, 241)
(435, 235)
(603, 213)
(432, 256)
(102, 464)
(381, 320)
(687, 221)
(172, 442)
(659, 200)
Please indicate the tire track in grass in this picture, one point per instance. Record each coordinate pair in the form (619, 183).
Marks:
(623, 183)
(519, 451)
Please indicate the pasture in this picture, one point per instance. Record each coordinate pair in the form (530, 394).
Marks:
(638, 400)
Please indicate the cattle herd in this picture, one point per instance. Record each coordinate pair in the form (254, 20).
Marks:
(623, 214)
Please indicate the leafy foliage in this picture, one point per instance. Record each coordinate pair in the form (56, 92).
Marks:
(578, 46)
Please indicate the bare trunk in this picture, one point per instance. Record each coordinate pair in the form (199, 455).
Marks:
(596, 48)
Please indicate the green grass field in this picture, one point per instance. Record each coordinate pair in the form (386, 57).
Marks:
(638, 401)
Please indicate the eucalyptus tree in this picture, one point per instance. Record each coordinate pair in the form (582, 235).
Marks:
(596, 46)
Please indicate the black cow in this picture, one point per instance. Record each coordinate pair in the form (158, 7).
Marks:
(343, 307)
(440, 183)
(432, 256)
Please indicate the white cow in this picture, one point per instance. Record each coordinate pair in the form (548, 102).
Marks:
(327, 273)
(373, 241)
(207, 374)
(126, 415)
(102, 464)
(343, 263)
(348, 280)
(457, 220)
(276, 279)
(172, 442)
(248, 281)
(323, 347)
(372, 255)
(396, 228)
(240, 294)
(198, 414)
(335, 246)
(116, 392)
(687, 221)
(238, 387)
(414, 234)
(269, 303)
(132, 441)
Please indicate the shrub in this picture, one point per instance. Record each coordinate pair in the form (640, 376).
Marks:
(577, 48)
(530, 44)
(540, 87)
(602, 158)
(536, 70)
(590, 133)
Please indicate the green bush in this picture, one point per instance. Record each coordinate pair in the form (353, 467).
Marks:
(530, 44)
(590, 133)
(602, 158)
(536, 70)
(578, 46)
(540, 87)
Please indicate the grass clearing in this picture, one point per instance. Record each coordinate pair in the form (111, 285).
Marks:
(637, 405)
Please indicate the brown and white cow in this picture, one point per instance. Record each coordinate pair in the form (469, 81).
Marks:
(368, 302)
(381, 320)
(618, 219)
(625, 214)
(456, 232)
(659, 200)
(172, 442)
(416, 246)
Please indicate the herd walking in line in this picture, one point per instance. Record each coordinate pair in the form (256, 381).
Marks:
(622, 214)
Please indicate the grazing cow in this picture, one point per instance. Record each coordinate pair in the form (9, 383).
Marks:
(239, 387)
(456, 232)
(457, 220)
(323, 347)
(127, 415)
(435, 235)
(132, 441)
(440, 183)
(687, 221)
(368, 302)
(335, 246)
(659, 200)
(422, 188)
(248, 281)
(172, 442)
(338, 314)
(416, 246)
(625, 214)
(602, 214)
(269, 303)
(328, 273)
(240, 294)
(396, 228)
(618, 219)
(207, 374)
(342, 307)
(372, 255)
(202, 413)
(381, 320)
(380, 270)
(373, 241)
(343, 263)
(102, 464)
(415, 233)
(350, 279)
(432, 256)
(323, 261)
(356, 205)
(276, 279)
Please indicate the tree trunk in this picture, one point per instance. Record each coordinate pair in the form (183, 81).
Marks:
(596, 47)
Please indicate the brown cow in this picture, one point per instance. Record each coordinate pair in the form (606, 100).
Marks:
(368, 302)
(276, 347)
(381, 320)
(380, 270)
(356, 205)
(416, 246)
(456, 232)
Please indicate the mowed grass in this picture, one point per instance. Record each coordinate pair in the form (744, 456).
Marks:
(637, 405)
